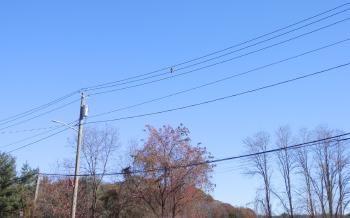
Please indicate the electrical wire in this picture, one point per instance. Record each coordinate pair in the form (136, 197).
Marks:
(193, 105)
(220, 80)
(41, 107)
(225, 97)
(223, 55)
(336, 138)
(30, 137)
(221, 62)
(28, 130)
(36, 135)
(33, 110)
(197, 104)
(40, 115)
(222, 50)
(39, 140)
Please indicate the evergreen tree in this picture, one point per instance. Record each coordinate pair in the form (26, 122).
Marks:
(26, 188)
(9, 197)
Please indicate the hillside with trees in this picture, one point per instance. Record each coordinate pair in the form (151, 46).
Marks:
(162, 179)
(168, 176)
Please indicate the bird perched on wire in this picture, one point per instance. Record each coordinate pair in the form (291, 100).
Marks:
(171, 70)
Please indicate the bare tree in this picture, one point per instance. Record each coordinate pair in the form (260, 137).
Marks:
(286, 166)
(324, 170)
(303, 161)
(342, 161)
(324, 156)
(261, 166)
(97, 149)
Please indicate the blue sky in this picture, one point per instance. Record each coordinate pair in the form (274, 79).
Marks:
(48, 49)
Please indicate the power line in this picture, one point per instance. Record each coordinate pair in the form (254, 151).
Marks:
(219, 51)
(280, 149)
(336, 138)
(295, 146)
(39, 115)
(33, 110)
(27, 130)
(39, 140)
(222, 55)
(160, 98)
(18, 123)
(223, 61)
(225, 97)
(266, 40)
(41, 107)
(36, 135)
(220, 80)
(30, 137)
(62, 98)
(197, 104)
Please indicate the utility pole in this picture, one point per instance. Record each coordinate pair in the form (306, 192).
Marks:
(83, 114)
(36, 192)
(37, 188)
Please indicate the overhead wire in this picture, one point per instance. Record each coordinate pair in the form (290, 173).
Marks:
(27, 130)
(222, 98)
(194, 105)
(222, 50)
(223, 55)
(220, 62)
(40, 115)
(201, 103)
(30, 137)
(26, 113)
(39, 140)
(41, 107)
(36, 135)
(336, 138)
(220, 80)
(35, 109)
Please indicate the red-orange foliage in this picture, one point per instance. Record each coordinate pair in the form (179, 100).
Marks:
(55, 196)
(165, 182)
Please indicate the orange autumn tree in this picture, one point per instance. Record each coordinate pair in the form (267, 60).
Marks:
(164, 175)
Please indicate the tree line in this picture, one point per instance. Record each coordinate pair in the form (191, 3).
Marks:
(158, 178)
(149, 185)
(312, 180)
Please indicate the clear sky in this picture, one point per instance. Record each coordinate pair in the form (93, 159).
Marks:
(50, 48)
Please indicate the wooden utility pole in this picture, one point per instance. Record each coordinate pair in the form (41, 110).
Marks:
(36, 193)
(83, 114)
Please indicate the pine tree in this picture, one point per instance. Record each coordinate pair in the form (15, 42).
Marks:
(9, 197)
(26, 188)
